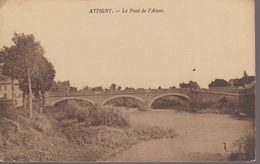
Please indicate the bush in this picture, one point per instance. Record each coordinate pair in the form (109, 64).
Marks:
(247, 104)
(109, 117)
(155, 132)
(245, 149)
(40, 122)
(91, 116)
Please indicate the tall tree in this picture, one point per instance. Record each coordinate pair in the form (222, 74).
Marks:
(42, 79)
(29, 57)
(8, 66)
(113, 86)
(119, 88)
(25, 61)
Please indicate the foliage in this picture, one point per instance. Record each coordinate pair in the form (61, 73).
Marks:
(91, 116)
(62, 86)
(191, 84)
(129, 88)
(245, 149)
(113, 86)
(9, 65)
(109, 117)
(98, 88)
(43, 78)
(18, 130)
(86, 88)
(25, 61)
(219, 83)
(247, 104)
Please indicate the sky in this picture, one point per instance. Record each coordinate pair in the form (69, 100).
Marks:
(140, 50)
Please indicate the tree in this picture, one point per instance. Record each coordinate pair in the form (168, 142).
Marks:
(29, 54)
(113, 86)
(98, 88)
(42, 79)
(119, 88)
(61, 86)
(9, 66)
(129, 88)
(73, 89)
(191, 84)
(219, 83)
(25, 62)
(86, 88)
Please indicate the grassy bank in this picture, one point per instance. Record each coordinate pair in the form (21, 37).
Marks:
(244, 105)
(245, 149)
(69, 132)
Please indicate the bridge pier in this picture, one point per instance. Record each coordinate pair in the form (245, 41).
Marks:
(98, 106)
(148, 108)
(148, 105)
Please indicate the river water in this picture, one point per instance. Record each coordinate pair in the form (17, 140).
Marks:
(200, 136)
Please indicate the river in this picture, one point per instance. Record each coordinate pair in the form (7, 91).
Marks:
(200, 136)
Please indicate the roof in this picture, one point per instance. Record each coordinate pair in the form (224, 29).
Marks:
(244, 80)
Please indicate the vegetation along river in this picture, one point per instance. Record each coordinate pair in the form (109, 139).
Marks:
(200, 136)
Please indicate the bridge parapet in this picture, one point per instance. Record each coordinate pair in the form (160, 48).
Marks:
(236, 91)
(115, 92)
(145, 96)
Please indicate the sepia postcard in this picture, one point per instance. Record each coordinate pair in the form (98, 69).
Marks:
(127, 80)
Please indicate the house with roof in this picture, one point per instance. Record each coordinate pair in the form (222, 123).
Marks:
(6, 91)
(244, 82)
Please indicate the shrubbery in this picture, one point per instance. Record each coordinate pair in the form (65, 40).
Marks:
(245, 149)
(17, 130)
(91, 116)
(109, 117)
(245, 104)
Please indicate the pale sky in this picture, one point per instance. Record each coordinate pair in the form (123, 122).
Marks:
(141, 50)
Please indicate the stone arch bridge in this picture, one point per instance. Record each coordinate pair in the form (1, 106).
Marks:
(147, 97)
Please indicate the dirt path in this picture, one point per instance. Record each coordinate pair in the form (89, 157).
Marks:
(201, 136)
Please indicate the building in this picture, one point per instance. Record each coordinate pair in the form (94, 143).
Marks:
(244, 82)
(6, 91)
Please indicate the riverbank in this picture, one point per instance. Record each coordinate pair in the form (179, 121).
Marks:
(200, 136)
(49, 138)
(76, 134)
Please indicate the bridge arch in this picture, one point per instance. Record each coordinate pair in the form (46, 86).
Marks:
(72, 98)
(179, 95)
(119, 96)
